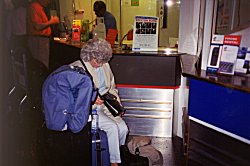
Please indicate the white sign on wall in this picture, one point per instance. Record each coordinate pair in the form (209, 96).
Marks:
(145, 35)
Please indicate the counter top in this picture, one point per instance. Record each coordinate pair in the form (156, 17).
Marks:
(69, 42)
(118, 51)
(238, 82)
(146, 53)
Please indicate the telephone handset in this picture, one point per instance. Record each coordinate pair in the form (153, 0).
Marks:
(215, 56)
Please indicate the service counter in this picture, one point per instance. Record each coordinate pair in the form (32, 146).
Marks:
(146, 82)
(219, 117)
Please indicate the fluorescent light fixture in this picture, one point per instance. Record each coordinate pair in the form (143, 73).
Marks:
(170, 3)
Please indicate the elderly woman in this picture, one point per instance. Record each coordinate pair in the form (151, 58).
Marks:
(96, 53)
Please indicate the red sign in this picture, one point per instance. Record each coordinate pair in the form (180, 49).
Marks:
(232, 40)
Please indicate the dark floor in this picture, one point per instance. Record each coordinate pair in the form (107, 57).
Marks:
(20, 134)
(171, 150)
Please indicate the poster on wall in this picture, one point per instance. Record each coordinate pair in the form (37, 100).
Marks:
(145, 37)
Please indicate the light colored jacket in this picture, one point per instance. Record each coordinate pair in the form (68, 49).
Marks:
(109, 80)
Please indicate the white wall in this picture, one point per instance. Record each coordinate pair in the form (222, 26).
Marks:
(167, 36)
(188, 26)
(86, 5)
(188, 39)
(180, 101)
(245, 37)
(208, 30)
(146, 8)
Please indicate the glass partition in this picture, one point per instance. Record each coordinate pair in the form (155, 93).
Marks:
(125, 11)
(232, 15)
(166, 10)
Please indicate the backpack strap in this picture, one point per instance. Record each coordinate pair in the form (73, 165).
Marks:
(86, 69)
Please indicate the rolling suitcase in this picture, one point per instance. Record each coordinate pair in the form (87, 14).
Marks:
(100, 151)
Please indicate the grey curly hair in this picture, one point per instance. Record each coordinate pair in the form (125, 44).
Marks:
(98, 49)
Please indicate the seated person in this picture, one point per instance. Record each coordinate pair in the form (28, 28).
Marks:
(96, 53)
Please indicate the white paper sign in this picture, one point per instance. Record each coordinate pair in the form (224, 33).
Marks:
(145, 37)
(242, 62)
(229, 53)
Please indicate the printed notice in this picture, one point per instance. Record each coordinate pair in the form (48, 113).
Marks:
(229, 54)
(243, 61)
(145, 37)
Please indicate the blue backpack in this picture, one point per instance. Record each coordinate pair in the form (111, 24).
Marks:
(67, 96)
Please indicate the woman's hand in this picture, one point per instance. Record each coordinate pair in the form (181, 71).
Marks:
(54, 20)
(121, 114)
(99, 101)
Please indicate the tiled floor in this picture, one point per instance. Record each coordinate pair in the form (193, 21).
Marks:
(171, 150)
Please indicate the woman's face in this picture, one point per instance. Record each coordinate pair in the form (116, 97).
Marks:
(95, 64)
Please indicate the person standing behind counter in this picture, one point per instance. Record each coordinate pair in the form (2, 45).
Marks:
(39, 31)
(109, 19)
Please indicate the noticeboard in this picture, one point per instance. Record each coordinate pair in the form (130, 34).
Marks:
(145, 35)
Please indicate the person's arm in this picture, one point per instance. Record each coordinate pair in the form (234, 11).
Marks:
(41, 26)
(37, 20)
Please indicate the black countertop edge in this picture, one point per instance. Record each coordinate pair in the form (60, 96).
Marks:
(238, 82)
(146, 53)
(124, 52)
